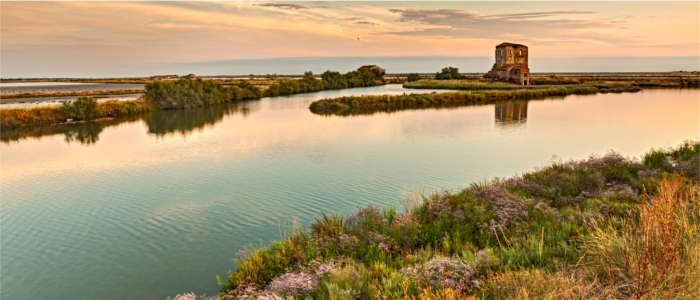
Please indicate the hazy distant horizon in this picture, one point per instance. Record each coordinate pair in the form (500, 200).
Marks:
(393, 64)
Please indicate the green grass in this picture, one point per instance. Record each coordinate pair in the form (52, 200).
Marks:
(551, 233)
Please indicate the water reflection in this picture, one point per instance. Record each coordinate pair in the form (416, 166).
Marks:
(86, 134)
(184, 122)
(159, 123)
(511, 112)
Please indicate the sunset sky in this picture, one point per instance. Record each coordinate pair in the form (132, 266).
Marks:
(55, 36)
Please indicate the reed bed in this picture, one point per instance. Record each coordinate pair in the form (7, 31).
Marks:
(81, 110)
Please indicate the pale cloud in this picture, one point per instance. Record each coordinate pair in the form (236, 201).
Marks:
(283, 5)
(527, 26)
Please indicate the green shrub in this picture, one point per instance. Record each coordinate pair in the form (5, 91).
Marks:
(657, 159)
(84, 108)
(448, 73)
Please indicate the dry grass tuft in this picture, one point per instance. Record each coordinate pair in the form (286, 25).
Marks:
(656, 253)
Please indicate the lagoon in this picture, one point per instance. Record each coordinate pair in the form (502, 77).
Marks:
(152, 207)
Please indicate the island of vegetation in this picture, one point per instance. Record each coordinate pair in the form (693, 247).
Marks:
(601, 228)
(482, 94)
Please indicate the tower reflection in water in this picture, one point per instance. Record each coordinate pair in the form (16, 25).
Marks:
(511, 113)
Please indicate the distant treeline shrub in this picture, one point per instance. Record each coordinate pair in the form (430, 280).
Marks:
(187, 93)
(330, 80)
(448, 73)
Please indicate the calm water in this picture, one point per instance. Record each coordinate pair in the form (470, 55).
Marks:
(153, 207)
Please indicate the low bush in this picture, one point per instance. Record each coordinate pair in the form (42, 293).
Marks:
(84, 108)
(448, 73)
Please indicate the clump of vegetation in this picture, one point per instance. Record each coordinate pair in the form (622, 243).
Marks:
(601, 228)
(82, 109)
(388, 103)
(448, 73)
(413, 77)
(330, 80)
(188, 93)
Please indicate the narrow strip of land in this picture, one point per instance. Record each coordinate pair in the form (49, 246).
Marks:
(71, 93)
(372, 104)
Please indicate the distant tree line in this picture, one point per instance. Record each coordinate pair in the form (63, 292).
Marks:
(188, 93)
(330, 80)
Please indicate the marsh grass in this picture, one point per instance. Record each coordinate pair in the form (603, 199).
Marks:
(84, 109)
(389, 103)
(602, 228)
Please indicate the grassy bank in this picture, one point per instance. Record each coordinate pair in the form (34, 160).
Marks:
(477, 85)
(76, 93)
(387, 103)
(601, 228)
(85, 109)
(553, 81)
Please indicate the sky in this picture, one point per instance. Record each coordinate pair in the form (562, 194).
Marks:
(54, 38)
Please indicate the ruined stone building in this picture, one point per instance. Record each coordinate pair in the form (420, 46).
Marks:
(511, 64)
